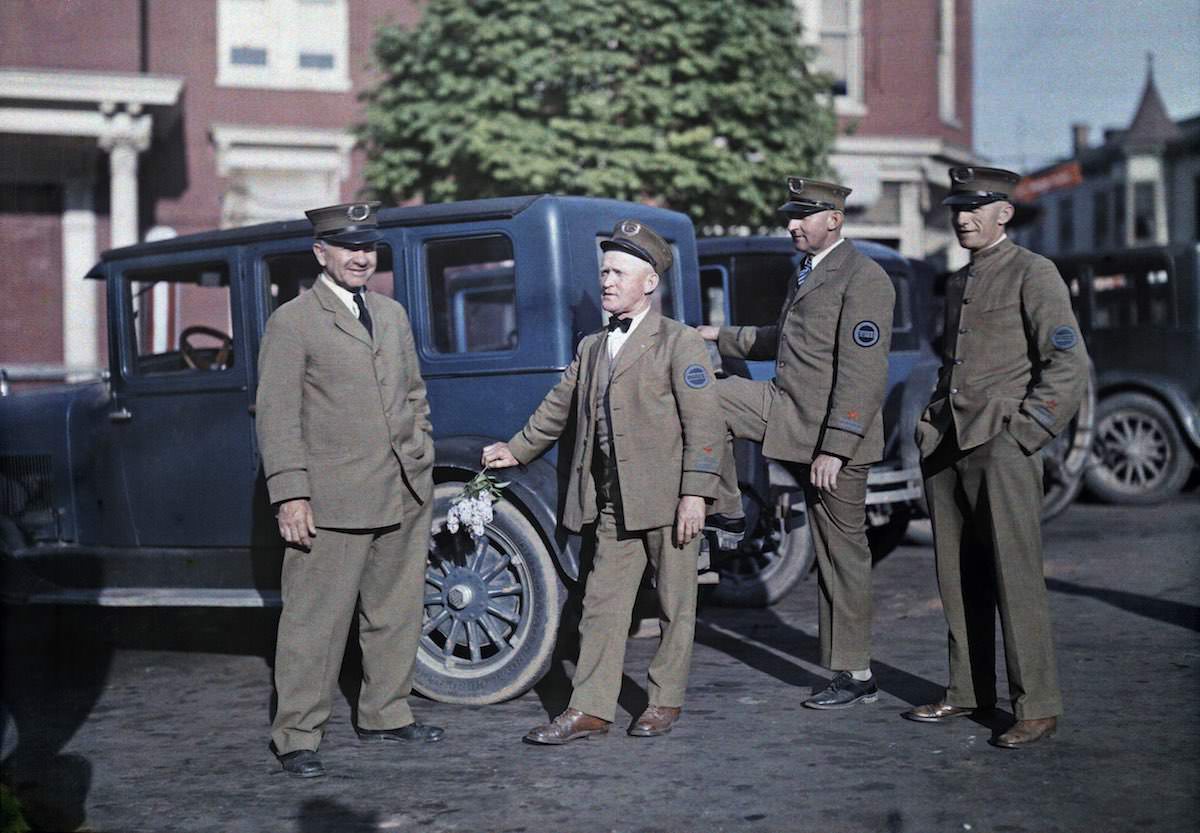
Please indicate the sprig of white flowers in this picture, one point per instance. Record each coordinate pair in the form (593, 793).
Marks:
(472, 507)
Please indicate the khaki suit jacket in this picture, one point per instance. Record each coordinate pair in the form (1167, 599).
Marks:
(1013, 358)
(342, 417)
(666, 423)
(830, 347)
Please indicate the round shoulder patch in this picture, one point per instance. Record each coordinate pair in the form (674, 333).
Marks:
(866, 333)
(695, 376)
(1064, 338)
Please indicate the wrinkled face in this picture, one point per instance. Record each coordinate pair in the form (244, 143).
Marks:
(816, 232)
(981, 226)
(625, 283)
(349, 266)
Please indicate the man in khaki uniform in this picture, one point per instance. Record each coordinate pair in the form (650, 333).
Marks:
(647, 455)
(343, 425)
(822, 416)
(1013, 374)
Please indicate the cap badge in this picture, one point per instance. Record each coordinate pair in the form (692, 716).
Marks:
(358, 212)
(630, 227)
(795, 185)
(961, 175)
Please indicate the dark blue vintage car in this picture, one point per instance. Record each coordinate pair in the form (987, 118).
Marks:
(146, 488)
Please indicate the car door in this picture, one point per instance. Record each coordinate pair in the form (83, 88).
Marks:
(181, 412)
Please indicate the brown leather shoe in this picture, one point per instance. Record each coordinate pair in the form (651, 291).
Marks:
(655, 721)
(936, 713)
(570, 725)
(1025, 732)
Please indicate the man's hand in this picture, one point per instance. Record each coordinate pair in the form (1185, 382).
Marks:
(708, 332)
(689, 519)
(824, 472)
(296, 522)
(497, 456)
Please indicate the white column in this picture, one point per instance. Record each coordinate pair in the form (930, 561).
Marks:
(80, 304)
(127, 133)
(912, 222)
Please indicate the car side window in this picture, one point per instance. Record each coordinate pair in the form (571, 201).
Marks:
(290, 273)
(180, 320)
(471, 284)
(760, 288)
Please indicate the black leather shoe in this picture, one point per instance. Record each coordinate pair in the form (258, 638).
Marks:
(728, 531)
(413, 731)
(303, 763)
(843, 692)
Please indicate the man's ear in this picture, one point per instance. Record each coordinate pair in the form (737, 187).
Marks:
(319, 252)
(836, 218)
(1006, 214)
(651, 283)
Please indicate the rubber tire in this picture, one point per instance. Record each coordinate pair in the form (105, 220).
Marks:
(885, 537)
(538, 629)
(781, 574)
(1176, 468)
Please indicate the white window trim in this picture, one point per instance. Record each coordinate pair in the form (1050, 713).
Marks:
(282, 70)
(853, 103)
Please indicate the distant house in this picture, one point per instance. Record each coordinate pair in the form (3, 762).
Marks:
(1139, 187)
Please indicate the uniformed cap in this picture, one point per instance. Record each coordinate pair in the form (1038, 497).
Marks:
(639, 240)
(974, 186)
(808, 196)
(349, 224)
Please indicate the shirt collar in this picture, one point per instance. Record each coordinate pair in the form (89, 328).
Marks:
(819, 256)
(344, 295)
(989, 248)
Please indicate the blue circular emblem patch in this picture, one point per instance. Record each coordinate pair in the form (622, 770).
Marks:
(695, 376)
(866, 333)
(1064, 338)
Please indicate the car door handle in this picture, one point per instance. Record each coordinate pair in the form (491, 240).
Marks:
(120, 415)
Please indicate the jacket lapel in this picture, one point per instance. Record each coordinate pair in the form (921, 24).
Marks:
(828, 266)
(342, 318)
(640, 341)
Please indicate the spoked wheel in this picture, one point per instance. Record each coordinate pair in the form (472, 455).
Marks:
(491, 608)
(1140, 455)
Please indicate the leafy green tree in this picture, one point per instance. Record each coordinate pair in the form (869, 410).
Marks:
(703, 106)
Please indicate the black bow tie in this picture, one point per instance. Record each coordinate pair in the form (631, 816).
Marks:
(622, 324)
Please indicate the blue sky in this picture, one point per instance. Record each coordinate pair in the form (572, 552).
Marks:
(1042, 64)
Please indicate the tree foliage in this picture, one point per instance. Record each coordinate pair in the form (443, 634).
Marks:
(703, 106)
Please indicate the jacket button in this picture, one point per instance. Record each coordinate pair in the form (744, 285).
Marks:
(963, 330)
(966, 300)
(781, 364)
(958, 361)
(953, 391)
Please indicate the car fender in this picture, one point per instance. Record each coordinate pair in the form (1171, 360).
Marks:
(1163, 388)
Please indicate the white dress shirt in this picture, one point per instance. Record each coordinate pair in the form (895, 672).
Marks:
(819, 256)
(616, 338)
(344, 295)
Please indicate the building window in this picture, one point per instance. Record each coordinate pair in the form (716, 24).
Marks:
(1118, 203)
(248, 56)
(1144, 229)
(283, 44)
(835, 28)
(1100, 219)
(1066, 224)
(946, 63)
(472, 294)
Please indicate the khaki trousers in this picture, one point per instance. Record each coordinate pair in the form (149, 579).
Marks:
(612, 586)
(838, 521)
(381, 570)
(985, 504)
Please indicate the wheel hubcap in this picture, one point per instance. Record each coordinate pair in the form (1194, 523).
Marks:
(1133, 450)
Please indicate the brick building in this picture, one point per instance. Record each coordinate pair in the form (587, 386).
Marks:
(123, 120)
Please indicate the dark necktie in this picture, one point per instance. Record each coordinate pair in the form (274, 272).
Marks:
(803, 271)
(364, 317)
(621, 324)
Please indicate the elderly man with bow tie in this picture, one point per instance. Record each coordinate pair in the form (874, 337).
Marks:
(649, 439)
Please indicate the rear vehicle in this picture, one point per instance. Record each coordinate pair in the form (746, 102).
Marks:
(743, 282)
(1139, 310)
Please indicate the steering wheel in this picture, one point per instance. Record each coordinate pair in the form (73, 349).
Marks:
(192, 355)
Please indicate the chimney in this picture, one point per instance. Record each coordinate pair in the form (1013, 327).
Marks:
(1080, 133)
